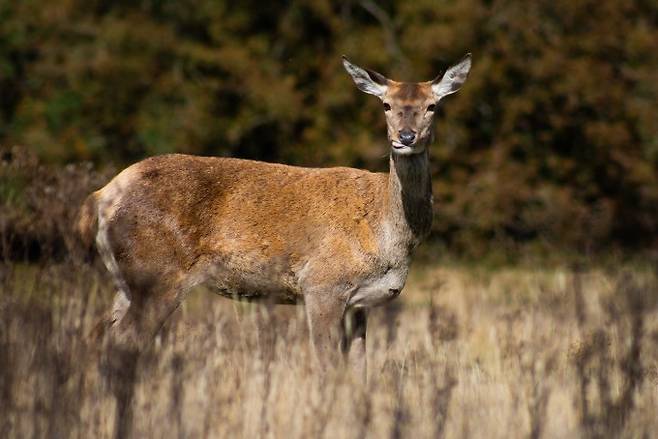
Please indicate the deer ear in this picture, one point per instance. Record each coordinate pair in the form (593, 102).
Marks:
(366, 80)
(452, 79)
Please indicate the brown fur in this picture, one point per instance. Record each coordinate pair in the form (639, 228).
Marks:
(410, 92)
(181, 213)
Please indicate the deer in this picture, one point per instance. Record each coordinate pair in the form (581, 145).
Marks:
(337, 240)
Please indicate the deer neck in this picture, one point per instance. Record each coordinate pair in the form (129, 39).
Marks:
(409, 208)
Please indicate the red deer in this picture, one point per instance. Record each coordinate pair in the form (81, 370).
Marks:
(338, 240)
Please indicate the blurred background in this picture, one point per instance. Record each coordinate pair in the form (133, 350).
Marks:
(552, 144)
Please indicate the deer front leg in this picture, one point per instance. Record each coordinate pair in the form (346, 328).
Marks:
(354, 341)
(324, 313)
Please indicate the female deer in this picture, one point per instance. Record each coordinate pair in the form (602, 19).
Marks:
(339, 240)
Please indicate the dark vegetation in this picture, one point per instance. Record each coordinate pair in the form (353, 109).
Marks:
(553, 141)
(39, 204)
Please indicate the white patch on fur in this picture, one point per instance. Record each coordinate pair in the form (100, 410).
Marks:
(379, 290)
(105, 250)
(111, 195)
(120, 306)
(108, 202)
(385, 286)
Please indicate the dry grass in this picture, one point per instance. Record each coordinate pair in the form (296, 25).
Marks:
(463, 353)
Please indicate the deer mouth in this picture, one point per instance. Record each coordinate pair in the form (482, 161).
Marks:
(398, 145)
(402, 149)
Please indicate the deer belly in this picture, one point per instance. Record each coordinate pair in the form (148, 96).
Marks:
(253, 285)
(286, 297)
(378, 290)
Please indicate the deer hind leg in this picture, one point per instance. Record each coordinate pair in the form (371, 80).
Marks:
(120, 306)
(146, 314)
(121, 301)
(354, 341)
(134, 324)
(149, 288)
(324, 314)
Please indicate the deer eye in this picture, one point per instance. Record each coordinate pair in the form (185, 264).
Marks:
(386, 107)
(431, 107)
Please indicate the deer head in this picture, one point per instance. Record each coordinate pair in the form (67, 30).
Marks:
(409, 106)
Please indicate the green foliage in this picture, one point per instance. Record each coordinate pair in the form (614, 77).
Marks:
(554, 136)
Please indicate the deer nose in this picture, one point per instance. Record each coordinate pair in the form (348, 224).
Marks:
(407, 136)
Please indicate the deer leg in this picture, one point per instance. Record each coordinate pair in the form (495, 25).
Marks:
(354, 341)
(135, 323)
(324, 313)
(119, 307)
(144, 317)
(113, 317)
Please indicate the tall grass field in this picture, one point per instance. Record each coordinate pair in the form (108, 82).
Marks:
(464, 352)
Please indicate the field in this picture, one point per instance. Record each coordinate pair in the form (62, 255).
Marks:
(466, 351)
